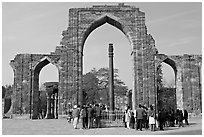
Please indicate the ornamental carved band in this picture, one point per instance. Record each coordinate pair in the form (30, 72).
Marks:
(68, 58)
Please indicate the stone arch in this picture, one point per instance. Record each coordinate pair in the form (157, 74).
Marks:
(46, 60)
(111, 20)
(164, 58)
(107, 18)
(178, 77)
(97, 22)
(68, 58)
(131, 21)
(36, 71)
(38, 67)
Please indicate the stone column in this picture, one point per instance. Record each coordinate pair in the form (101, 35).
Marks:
(48, 115)
(53, 105)
(111, 72)
(200, 84)
(134, 81)
(179, 89)
(35, 105)
(80, 91)
(56, 101)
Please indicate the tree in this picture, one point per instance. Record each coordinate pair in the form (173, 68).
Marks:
(119, 87)
(98, 80)
(90, 88)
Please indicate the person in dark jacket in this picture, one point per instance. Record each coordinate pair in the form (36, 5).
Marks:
(124, 120)
(161, 119)
(132, 121)
(177, 116)
(90, 116)
(145, 118)
(139, 116)
(86, 118)
(185, 117)
(69, 116)
(98, 116)
(180, 118)
(173, 117)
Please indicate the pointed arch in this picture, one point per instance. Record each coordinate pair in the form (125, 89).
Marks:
(107, 18)
(43, 62)
(37, 68)
(164, 58)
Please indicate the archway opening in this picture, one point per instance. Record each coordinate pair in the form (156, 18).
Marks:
(168, 75)
(167, 89)
(96, 56)
(49, 73)
(45, 84)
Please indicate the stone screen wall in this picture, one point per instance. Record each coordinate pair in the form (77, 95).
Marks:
(68, 58)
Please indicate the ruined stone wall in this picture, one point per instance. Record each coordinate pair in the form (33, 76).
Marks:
(166, 99)
(191, 83)
(22, 76)
(68, 58)
(187, 70)
(131, 21)
(26, 69)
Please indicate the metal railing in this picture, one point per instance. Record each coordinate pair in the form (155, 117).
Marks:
(112, 118)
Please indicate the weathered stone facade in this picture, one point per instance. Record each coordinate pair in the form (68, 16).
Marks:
(68, 58)
(187, 70)
(166, 99)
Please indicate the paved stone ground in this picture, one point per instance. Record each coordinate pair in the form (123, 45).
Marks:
(62, 127)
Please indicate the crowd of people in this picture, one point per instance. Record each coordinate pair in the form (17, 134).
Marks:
(143, 117)
(147, 118)
(87, 115)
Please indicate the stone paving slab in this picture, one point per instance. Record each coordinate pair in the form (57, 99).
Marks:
(62, 127)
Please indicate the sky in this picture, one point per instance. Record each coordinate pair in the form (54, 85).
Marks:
(37, 27)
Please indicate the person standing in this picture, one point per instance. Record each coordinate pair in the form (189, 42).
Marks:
(83, 117)
(90, 116)
(173, 117)
(98, 116)
(125, 124)
(69, 116)
(161, 119)
(177, 116)
(86, 118)
(132, 121)
(139, 116)
(180, 118)
(75, 115)
(127, 117)
(145, 118)
(152, 121)
(185, 117)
